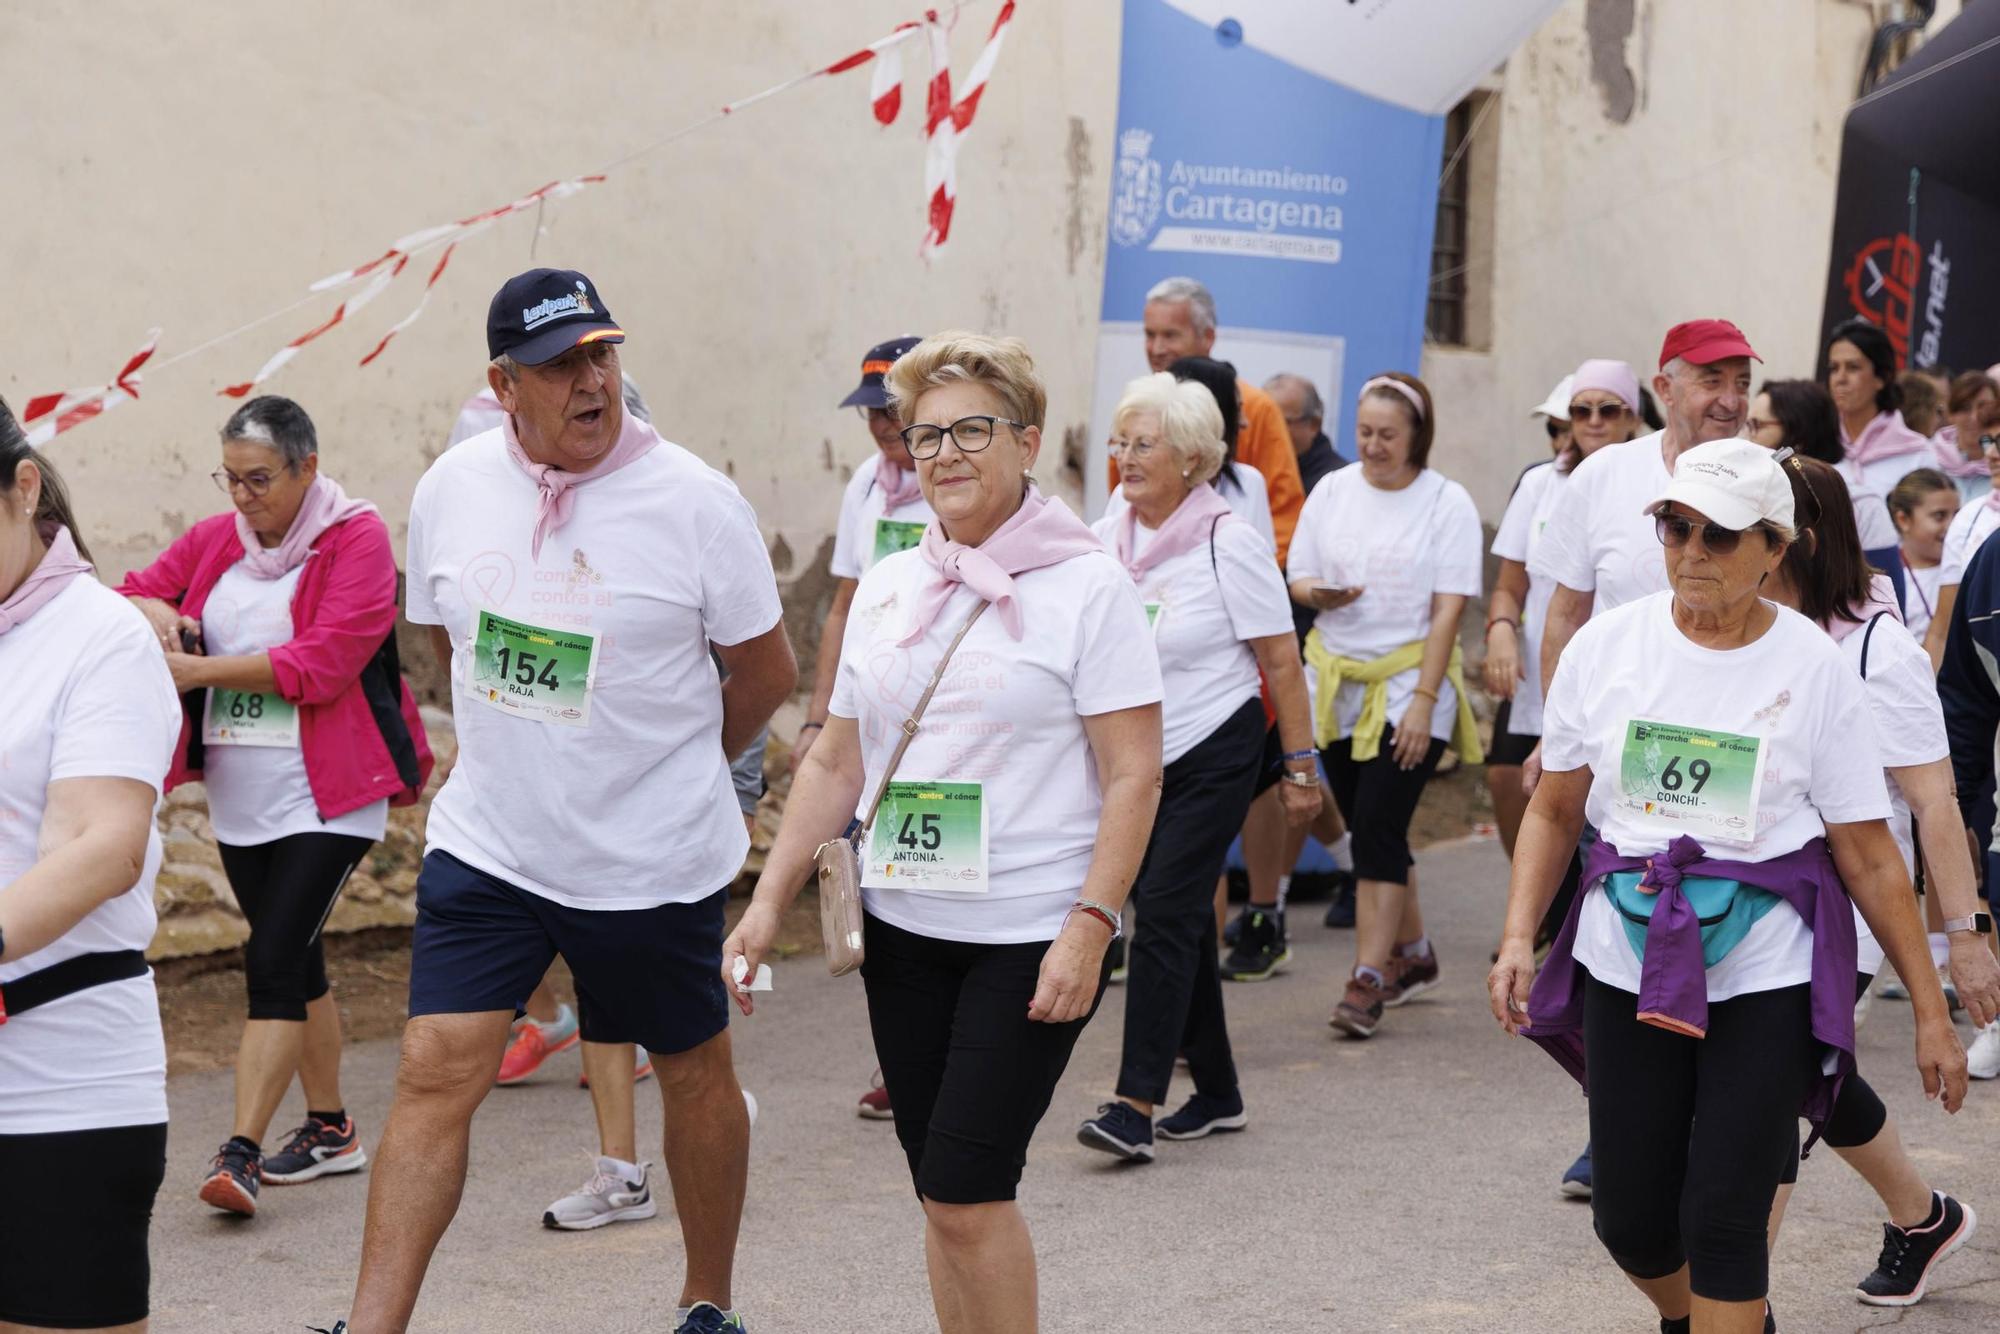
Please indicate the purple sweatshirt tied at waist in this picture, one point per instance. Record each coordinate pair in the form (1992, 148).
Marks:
(1673, 981)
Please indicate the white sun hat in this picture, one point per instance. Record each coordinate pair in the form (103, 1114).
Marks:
(1556, 405)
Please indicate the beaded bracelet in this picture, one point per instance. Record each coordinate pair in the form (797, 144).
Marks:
(1291, 755)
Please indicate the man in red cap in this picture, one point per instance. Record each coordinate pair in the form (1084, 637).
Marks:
(1599, 548)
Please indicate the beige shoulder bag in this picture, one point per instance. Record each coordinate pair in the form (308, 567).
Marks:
(839, 861)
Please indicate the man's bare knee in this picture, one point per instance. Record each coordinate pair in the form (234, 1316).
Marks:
(449, 1057)
(699, 1072)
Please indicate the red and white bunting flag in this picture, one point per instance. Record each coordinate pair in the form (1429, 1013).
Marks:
(422, 301)
(47, 416)
(885, 87)
(376, 286)
(948, 121)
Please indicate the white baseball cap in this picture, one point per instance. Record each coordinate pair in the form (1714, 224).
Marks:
(1556, 405)
(1734, 482)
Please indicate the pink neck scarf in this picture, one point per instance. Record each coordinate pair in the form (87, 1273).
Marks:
(899, 485)
(1886, 437)
(324, 506)
(1951, 460)
(59, 565)
(1042, 532)
(1881, 598)
(636, 439)
(1185, 529)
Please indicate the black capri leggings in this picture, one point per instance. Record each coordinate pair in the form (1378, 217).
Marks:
(76, 1209)
(287, 888)
(1689, 1136)
(1858, 1114)
(1377, 799)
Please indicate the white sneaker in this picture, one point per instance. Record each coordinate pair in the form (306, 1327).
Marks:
(1982, 1060)
(608, 1197)
(1861, 1009)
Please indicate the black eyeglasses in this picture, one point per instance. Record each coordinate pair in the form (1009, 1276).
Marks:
(970, 434)
(256, 483)
(1674, 530)
(1609, 412)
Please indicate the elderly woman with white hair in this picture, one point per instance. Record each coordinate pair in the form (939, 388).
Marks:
(1218, 612)
(995, 869)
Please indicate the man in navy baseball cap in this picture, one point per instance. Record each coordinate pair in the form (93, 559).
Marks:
(871, 392)
(541, 314)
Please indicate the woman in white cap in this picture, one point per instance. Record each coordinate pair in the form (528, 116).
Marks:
(1387, 553)
(1708, 734)
(1602, 408)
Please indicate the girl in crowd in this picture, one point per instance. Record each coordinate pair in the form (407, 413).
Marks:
(1708, 735)
(1825, 577)
(1923, 505)
(1858, 369)
(1972, 409)
(1604, 409)
(1970, 528)
(1044, 734)
(1799, 415)
(278, 623)
(86, 737)
(1219, 613)
(1388, 554)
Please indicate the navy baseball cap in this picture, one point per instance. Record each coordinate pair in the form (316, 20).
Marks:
(871, 392)
(539, 315)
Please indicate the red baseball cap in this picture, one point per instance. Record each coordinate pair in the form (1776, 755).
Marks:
(1705, 342)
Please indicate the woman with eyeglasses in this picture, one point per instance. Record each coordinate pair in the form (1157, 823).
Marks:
(1799, 415)
(1827, 580)
(85, 739)
(1387, 554)
(1603, 408)
(1241, 486)
(1219, 614)
(1972, 412)
(1703, 981)
(278, 623)
(1002, 851)
(1858, 368)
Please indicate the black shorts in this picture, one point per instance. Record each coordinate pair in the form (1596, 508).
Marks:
(1508, 748)
(651, 976)
(75, 1207)
(1377, 800)
(968, 1072)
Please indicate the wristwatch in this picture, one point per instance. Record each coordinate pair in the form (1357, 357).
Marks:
(1979, 922)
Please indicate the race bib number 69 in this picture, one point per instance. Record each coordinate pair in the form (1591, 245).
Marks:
(1689, 780)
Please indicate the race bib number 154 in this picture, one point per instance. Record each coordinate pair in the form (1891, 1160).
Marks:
(535, 673)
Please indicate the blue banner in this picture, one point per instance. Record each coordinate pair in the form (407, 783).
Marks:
(1305, 207)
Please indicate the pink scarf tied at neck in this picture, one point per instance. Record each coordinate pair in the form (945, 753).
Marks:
(1881, 598)
(324, 506)
(636, 439)
(1951, 460)
(899, 485)
(1185, 529)
(59, 564)
(1886, 437)
(1042, 532)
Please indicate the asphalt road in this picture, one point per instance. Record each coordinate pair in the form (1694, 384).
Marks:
(1406, 1183)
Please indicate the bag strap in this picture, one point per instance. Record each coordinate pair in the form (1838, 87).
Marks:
(1867, 636)
(910, 723)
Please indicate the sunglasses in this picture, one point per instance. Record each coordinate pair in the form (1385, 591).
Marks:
(1609, 412)
(1674, 530)
(1557, 430)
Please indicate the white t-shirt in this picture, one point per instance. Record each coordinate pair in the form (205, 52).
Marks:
(1207, 609)
(1881, 476)
(1970, 528)
(1909, 730)
(88, 696)
(1791, 690)
(1600, 539)
(260, 793)
(867, 525)
(1920, 594)
(1009, 716)
(1872, 519)
(633, 807)
(1520, 535)
(1246, 494)
(1400, 548)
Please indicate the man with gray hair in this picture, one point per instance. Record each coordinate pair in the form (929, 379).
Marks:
(1179, 321)
(1305, 422)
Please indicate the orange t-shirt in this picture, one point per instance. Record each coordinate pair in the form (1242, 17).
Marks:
(1263, 443)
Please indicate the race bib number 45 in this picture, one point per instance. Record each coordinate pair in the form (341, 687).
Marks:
(929, 836)
(1686, 780)
(249, 718)
(531, 672)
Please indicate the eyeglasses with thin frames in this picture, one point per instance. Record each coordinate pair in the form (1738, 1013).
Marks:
(970, 434)
(1137, 449)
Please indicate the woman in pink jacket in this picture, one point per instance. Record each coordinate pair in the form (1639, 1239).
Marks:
(278, 623)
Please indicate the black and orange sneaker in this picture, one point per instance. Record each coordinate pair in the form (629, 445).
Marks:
(316, 1149)
(233, 1176)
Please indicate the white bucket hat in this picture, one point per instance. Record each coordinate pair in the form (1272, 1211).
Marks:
(1734, 482)
(1556, 405)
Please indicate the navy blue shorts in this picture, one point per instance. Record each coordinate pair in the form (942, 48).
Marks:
(652, 976)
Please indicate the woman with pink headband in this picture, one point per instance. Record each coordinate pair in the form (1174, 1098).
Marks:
(1387, 554)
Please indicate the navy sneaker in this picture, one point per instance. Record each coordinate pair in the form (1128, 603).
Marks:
(316, 1149)
(1202, 1115)
(1576, 1181)
(1340, 911)
(707, 1318)
(1904, 1270)
(232, 1180)
(1120, 1130)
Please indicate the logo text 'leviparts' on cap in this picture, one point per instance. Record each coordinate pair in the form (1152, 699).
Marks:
(539, 315)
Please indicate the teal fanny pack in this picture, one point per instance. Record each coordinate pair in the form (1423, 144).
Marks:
(1727, 910)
